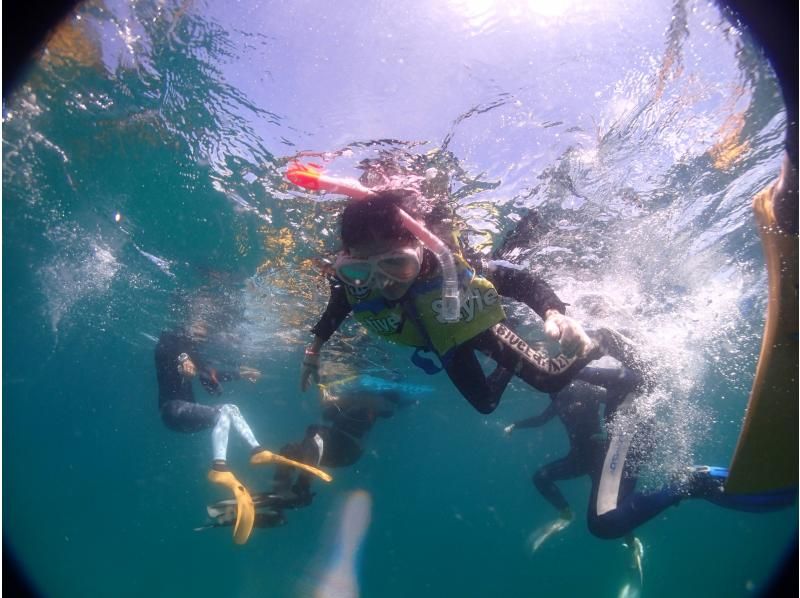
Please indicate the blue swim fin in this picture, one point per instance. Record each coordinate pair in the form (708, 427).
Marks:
(708, 482)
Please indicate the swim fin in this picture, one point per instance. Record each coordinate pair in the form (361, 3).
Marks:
(544, 533)
(264, 457)
(245, 511)
(636, 549)
(709, 483)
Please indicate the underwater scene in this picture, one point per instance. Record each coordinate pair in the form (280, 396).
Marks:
(231, 363)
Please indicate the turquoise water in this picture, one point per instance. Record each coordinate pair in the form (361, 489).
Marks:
(142, 163)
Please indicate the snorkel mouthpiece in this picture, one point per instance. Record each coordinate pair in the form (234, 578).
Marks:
(311, 177)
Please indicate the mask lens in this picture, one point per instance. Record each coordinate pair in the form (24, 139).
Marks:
(355, 273)
(400, 267)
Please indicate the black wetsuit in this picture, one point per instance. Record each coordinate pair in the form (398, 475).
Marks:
(179, 409)
(350, 417)
(511, 353)
(578, 406)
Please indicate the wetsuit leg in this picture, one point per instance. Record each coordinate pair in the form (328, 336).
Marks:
(306, 451)
(633, 508)
(467, 375)
(185, 416)
(533, 364)
(619, 383)
(230, 415)
(637, 508)
(621, 348)
(545, 477)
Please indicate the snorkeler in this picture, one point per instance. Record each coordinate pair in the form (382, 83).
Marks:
(405, 284)
(348, 415)
(614, 512)
(350, 409)
(178, 360)
(578, 406)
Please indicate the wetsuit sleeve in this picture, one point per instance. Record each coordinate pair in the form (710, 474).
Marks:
(538, 420)
(171, 384)
(337, 310)
(520, 284)
(227, 375)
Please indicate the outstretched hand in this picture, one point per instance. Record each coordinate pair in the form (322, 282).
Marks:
(508, 430)
(568, 332)
(249, 374)
(309, 371)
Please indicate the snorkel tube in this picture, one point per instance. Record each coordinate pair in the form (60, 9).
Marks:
(311, 177)
(451, 295)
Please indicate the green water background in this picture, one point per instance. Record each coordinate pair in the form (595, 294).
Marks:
(181, 125)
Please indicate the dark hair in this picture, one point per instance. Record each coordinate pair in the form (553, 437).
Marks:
(376, 217)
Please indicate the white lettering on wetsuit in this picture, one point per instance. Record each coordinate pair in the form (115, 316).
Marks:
(541, 360)
(474, 303)
(388, 325)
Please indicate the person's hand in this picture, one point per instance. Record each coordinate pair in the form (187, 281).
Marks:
(249, 374)
(568, 332)
(186, 366)
(508, 430)
(310, 370)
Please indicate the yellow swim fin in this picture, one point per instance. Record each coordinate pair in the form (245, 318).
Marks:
(265, 457)
(766, 453)
(245, 511)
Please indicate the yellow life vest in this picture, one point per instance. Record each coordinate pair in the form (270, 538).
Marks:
(416, 320)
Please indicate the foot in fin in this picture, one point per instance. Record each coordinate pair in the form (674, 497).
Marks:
(245, 511)
(262, 456)
(544, 533)
(708, 483)
(636, 551)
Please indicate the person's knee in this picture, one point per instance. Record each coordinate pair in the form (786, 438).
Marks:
(171, 416)
(606, 527)
(484, 403)
(230, 410)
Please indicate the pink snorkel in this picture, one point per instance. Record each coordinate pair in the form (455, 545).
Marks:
(311, 177)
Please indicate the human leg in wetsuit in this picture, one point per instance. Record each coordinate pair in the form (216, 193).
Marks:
(532, 364)
(325, 446)
(189, 417)
(574, 465)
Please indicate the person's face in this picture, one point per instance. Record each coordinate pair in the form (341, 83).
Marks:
(391, 289)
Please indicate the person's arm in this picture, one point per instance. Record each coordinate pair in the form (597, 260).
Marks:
(518, 283)
(535, 421)
(337, 310)
(335, 313)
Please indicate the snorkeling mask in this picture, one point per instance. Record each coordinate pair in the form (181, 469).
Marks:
(312, 177)
(399, 265)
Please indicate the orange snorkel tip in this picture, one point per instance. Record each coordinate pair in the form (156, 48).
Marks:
(310, 177)
(302, 175)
